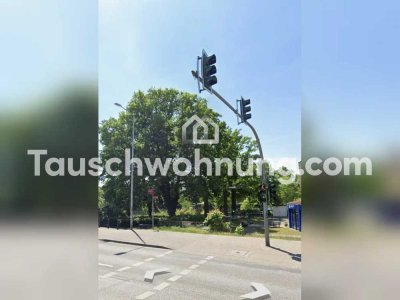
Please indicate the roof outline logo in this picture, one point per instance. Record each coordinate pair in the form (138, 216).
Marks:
(200, 122)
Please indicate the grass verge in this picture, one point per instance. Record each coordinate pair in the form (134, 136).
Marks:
(276, 233)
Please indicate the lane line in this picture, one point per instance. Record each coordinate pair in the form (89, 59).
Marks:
(193, 267)
(185, 272)
(203, 261)
(209, 257)
(123, 269)
(149, 259)
(108, 275)
(160, 255)
(168, 252)
(105, 265)
(144, 295)
(138, 264)
(162, 286)
(174, 278)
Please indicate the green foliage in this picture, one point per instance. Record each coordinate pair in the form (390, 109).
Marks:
(215, 220)
(161, 213)
(249, 205)
(289, 192)
(227, 226)
(101, 204)
(186, 212)
(185, 203)
(159, 115)
(239, 230)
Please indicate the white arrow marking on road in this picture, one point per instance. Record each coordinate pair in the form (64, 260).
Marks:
(149, 276)
(260, 292)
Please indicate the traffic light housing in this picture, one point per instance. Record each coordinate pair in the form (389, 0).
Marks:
(262, 197)
(208, 70)
(245, 109)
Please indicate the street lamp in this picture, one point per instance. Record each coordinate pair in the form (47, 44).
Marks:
(132, 148)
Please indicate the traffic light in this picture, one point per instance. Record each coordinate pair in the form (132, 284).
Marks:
(208, 69)
(262, 197)
(245, 109)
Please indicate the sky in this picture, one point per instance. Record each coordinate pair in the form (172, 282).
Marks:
(145, 44)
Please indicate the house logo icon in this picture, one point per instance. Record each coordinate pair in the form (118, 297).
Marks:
(204, 124)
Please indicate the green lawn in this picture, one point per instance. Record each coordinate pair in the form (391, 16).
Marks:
(279, 233)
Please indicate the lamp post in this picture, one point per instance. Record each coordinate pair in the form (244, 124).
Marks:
(131, 164)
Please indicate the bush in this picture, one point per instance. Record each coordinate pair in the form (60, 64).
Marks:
(247, 205)
(239, 230)
(185, 212)
(161, 213)
(215, 220)
(227, 226)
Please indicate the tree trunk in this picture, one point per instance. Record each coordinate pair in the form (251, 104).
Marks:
(225, 198)
(206, 206)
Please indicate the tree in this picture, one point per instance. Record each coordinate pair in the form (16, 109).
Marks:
(159, 116)
(286, 192)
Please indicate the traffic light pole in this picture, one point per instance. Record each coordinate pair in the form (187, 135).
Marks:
(265, 204)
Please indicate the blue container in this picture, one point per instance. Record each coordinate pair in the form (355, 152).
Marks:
(294, 215)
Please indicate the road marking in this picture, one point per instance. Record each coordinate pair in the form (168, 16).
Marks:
(161, 286)
(163, 254)
(149, 259)
(260, 292)
(123, 269)
(185, 272)
(108, 275)
(174, 278)
(105, 265)
(209, 257)
(144, 295)
(203, 261)
(149, 275)
(138, 264)
(193, 267)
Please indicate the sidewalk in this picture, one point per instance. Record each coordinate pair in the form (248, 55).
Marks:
(282, 253)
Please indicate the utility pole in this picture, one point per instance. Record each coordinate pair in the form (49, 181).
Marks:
(210, 79)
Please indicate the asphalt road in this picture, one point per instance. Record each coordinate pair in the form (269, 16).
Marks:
(122, 268)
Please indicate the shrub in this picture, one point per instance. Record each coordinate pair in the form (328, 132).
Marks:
(185, 212)
(215, 220)
(239, 230)
(161, 213)
(227, 226)
(184, 203)
(248, 205)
